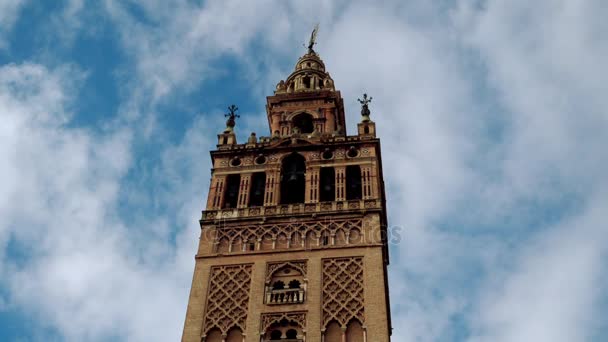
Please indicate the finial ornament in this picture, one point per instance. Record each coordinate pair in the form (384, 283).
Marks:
(364, 107)
(231, 122)
(313, 39)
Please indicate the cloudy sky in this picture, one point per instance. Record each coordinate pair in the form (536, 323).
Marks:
(493, 117)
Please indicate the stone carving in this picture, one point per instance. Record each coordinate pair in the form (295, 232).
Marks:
(343, 290)
(272, 267)
(271, 318)
(228, 298)
(294, 232)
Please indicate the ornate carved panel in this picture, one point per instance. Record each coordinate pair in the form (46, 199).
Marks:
(272, 267)
(293, 233)
(271, 318)
(343, 290)
(228, 297)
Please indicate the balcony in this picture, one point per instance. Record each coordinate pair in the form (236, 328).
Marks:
(291, 209)
(285, 296)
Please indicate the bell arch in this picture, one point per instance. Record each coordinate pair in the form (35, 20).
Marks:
(293, 179)
(304, 122)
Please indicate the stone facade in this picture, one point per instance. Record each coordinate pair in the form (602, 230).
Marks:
(293, 238)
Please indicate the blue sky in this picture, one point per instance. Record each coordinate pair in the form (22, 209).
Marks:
(493, 120)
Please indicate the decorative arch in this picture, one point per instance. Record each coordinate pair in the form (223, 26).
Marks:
(302, 234)
(272, 268)
(282, 325)
(333, 332)
(234, 335)
(354, 331)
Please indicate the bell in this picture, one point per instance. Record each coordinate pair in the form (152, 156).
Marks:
(293, 177)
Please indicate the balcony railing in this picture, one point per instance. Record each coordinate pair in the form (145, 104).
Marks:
(290, 209)
(285, 296)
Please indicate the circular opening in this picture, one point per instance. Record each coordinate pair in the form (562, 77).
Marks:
(327, 155)
(352, 152)
(260, 160)
(235, 161)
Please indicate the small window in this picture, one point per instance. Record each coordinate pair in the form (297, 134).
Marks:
(325, 240)
(251, 246)
(366, 130)
(278, 285)
(294, 284)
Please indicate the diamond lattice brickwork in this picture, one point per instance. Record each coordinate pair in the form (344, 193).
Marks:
(343, 290)
(228, 297)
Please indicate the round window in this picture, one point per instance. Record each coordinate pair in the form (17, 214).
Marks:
(327, 154)
(236, 161)
(352, 152)
(260, 160)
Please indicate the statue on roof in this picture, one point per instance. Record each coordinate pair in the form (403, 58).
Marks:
(231, 122)
(364, 107)
(313, 38)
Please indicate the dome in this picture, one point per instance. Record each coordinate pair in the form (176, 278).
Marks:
(309, 75)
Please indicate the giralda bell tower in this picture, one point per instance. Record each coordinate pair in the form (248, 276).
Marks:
(293, 239)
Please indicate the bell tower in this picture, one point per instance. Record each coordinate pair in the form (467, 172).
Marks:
(293, 238)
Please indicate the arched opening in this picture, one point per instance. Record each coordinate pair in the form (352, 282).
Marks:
(258, 184)
(324, 239)
(327, 178)
(333, 332)
(231, 195)
(353, 182)
(282, 330)
(366, 130)
(291, 334)
(354, 331)
(234, 335)
(306, 82)
(303, 122)
(293, 182)
(214, 335)
(285, 286)
(251, 245)
(275, 335)
(278, 285)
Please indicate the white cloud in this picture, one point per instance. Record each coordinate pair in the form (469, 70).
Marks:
(9, 10)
